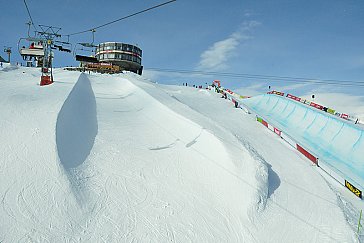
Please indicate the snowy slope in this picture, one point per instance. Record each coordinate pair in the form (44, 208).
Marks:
(95, 158)
(301, 206)
(102, 160)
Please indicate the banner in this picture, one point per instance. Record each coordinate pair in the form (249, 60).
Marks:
(331, 111)
(307, 154)
(279, 93)
(293, 97)
(353, 189)
(320, 107)
(264, 123)
(277, 131)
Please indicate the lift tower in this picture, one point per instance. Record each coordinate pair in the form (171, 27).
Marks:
(47, 34)
(7, 50)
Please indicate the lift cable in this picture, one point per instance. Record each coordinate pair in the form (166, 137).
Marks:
(117, 20)
(30, 16)
(264, 77)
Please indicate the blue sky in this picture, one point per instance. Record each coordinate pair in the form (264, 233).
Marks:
(313, 38)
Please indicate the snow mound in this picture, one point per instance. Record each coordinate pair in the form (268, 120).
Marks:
(76, 127)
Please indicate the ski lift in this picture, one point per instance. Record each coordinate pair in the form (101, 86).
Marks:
(33, 47)
(84, 52)
(30, 49)
(63, 46)
(84, 49)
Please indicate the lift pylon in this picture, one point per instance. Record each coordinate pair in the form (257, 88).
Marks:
(48, 33)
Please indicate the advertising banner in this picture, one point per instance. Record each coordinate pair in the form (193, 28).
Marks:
(293, 97)
(307, 154)
(320, 107)
(264, 123)
(277, 131)
(331, 111)
(353, 189)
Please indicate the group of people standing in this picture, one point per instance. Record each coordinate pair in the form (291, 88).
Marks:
(195, 86)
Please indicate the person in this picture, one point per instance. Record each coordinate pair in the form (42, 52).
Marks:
(1, 64)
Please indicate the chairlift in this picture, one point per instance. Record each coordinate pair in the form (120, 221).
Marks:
(84, 50)
(31, 49)
(63, 46)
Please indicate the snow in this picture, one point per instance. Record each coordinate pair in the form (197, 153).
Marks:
(338, 143)
(76, 126)
(117, 158)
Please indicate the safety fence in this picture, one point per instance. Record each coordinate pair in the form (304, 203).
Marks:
(289, 140)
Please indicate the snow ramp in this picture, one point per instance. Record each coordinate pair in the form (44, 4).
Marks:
(337, 143)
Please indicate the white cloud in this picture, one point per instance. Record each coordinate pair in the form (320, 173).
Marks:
(248, 13)
(152, 75)
(254, 89)
(172, 76)
(216, 57)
